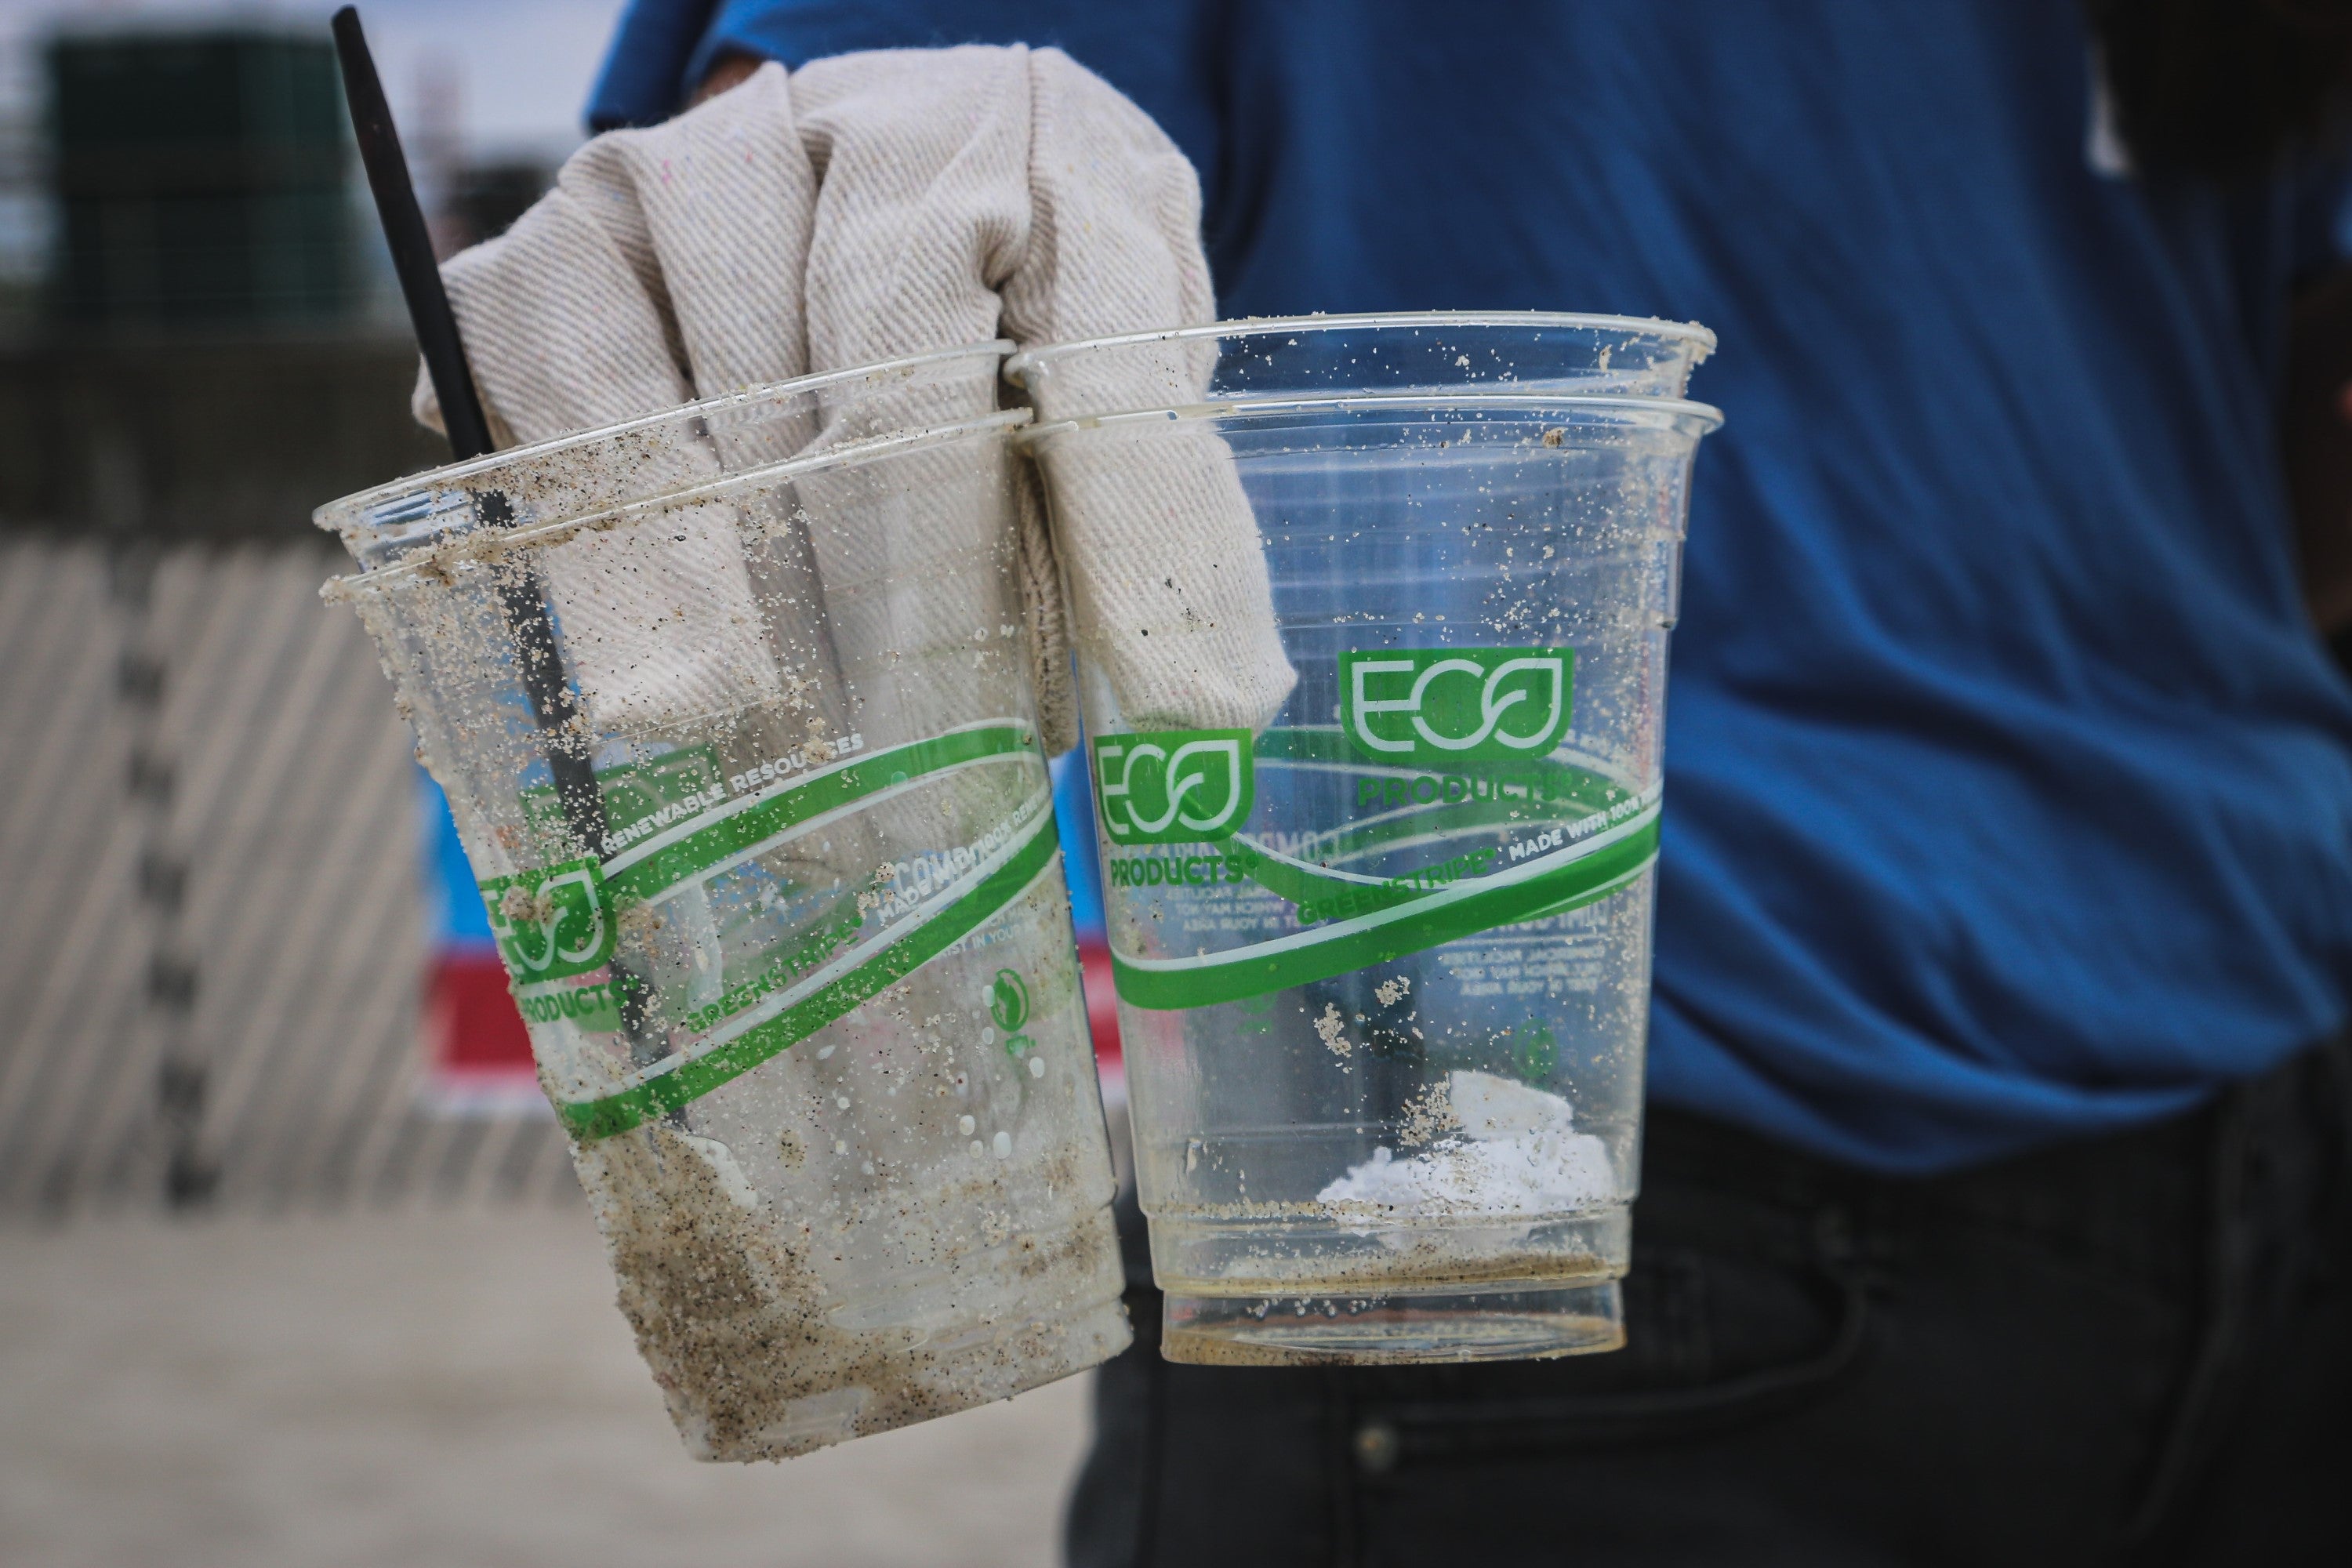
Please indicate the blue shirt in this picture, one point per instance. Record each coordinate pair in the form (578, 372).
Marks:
(2010, 791)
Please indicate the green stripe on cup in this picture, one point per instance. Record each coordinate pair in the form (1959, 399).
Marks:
(643, 878)
(1535, 790)
(1311, 747)
(1564, 880)
(933, 934)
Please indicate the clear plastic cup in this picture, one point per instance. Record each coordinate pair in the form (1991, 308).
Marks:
(734, 707)
(1383, 965)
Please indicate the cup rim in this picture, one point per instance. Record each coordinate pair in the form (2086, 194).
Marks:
(334, 513)
(1616, 408)
(489, 544)
(1017, 367)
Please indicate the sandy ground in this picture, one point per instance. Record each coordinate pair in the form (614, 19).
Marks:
(431, 1389)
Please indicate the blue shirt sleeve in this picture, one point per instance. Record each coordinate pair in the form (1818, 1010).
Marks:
(1164, 54)
(644, 78)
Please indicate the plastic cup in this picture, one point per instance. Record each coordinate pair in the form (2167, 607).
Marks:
(734, 709)
(1383, 965)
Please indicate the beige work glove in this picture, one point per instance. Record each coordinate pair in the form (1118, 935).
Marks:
(862, 209)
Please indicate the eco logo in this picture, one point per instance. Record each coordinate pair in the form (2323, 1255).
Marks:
(1443, 707)
(1174, 786)
(551, 924)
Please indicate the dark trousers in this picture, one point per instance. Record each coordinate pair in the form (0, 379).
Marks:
(2136, 1349)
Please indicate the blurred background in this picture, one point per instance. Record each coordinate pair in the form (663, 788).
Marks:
(295, 1269)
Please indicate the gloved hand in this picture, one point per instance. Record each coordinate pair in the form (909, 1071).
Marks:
(865, 207)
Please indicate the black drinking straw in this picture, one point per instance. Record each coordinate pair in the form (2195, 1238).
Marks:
(411, 243)
(552, 702)
(523, 598)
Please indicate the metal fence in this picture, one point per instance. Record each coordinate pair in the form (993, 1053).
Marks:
(212, 932)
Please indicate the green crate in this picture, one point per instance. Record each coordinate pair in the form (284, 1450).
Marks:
(201, 177)
(262, 258)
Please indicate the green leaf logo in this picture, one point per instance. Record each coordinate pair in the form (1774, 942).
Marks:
(1439, 708)
(1173, 786)
(1008, 1001)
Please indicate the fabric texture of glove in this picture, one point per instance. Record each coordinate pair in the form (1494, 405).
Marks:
(866, 207)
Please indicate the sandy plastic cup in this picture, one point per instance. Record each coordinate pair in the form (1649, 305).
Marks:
(735, 711)
(1383, 966)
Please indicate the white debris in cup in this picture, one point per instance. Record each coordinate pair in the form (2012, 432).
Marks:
(1333, 1029)
(1430, 1115)
(1518, 1152)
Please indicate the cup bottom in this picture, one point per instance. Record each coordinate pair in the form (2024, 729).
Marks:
(1525, 1324)
(959, 1373)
